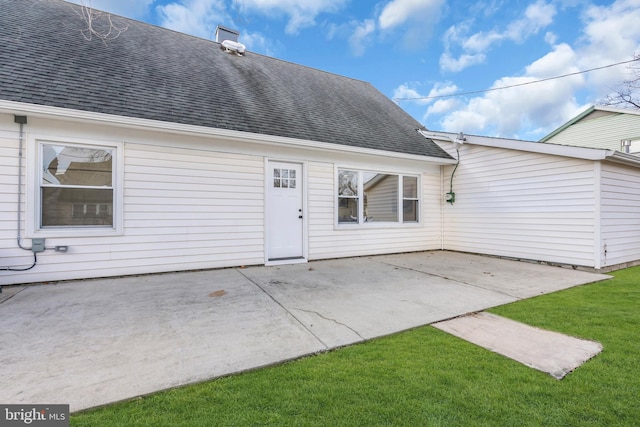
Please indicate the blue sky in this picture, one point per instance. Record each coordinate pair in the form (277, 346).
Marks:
(412, 49)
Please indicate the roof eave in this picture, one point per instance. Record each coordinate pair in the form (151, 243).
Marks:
(585, 113)
(19, 108)
(623, 158)
(577, 118)
(584, 153)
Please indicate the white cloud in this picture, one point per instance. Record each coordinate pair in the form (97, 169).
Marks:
(397, 12)
(610, 35)
(536, 17)
(415, 18)
(542, 105)
(196, 17)
(257, 42)
(550, 38)
(301, 13)
(442, 106)
(561, 60)
(449, 63)
(405, 92)
(128, 8)
(201, 17)
(480, 42)
(361, 36)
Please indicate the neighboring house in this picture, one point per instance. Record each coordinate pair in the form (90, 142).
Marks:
(601, 127)
(158, 151)
(561, 204)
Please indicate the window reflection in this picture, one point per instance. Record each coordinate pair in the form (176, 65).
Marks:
(76, 186)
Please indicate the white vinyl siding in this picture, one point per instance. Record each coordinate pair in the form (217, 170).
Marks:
(205, 207)
(620, 216)
(328, 241)
(191, 202)
(522, 205)
(604, 132)
(183, 209)
(10, 254)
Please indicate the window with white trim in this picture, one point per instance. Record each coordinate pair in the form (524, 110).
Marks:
(375, 197)
(76, 186)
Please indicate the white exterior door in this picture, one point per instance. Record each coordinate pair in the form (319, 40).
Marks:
(285, 216)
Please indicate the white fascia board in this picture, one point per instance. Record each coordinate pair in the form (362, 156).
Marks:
(584, 153)
(584, 113)
(19, 108)
(519, 145)
(627, 159)
(616, 110)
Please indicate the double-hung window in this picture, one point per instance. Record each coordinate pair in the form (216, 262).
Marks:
(375, 197)
(76, 187)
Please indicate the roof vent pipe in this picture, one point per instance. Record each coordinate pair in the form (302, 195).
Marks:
(626, 145)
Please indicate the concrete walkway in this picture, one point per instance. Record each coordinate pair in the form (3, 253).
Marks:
(89, 343)
(547, 351)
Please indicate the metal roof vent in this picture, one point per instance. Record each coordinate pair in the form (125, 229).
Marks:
(230, 46)
(228, 40)
(224, 33)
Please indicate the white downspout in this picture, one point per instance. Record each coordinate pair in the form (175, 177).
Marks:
(441, 198)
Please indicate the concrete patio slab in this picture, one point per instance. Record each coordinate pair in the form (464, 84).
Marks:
(547, 351)
(514, 278)
(101, 341)
(92, 342)
(361, 298)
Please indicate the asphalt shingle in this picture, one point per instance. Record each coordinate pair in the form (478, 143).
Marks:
(154, 73)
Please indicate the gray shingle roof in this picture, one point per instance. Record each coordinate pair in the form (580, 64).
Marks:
(154, 73)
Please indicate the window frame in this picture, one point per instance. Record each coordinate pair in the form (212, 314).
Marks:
(34, 187)
(361, 223)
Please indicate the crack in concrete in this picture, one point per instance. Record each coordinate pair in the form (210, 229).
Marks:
(474, 285)
(7, 294)
(284, 308)
(331, 320)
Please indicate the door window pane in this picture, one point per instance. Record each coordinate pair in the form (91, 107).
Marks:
(284, 178)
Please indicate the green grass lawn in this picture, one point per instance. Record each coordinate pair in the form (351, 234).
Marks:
(425, 377)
